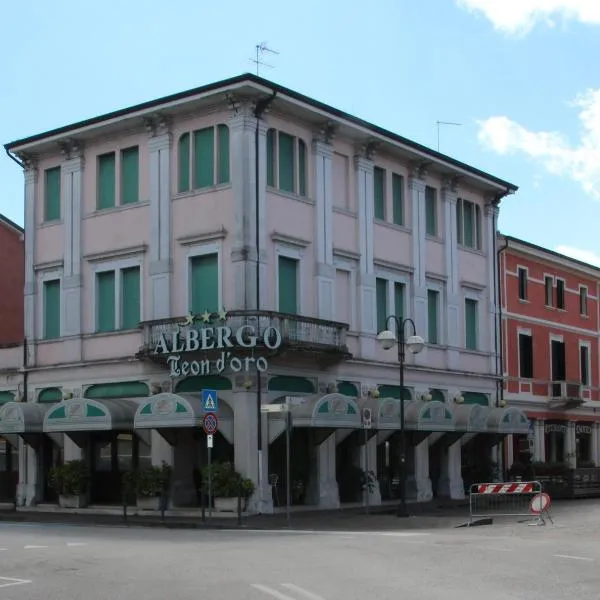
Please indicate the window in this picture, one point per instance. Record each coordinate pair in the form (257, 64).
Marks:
(432, 316)
(379, 193)
(204, 283)
(389, 301)
(522, 275)
(430, 211)
(343, 296)
(584, 364)
(51, 309)
(548, 289)
(288, 285)
(118, 299)
(52, 194)
(525, 356)
(203, 158)
(468, 223)
(381, 302)
(341, 175)
(583, 300)
(471, 325)
(560, 294)
(130, 177)
(286, 162)
(106, 181)
(397, 199)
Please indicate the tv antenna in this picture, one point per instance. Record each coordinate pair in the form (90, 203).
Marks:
(438, 123)
(258, 59)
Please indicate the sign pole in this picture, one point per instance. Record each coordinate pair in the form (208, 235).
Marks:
(367, 468)
(288, 483)
(209, 444)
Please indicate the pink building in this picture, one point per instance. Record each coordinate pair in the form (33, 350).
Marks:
(287, 231)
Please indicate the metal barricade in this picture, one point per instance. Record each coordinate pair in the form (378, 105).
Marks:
(509, 499)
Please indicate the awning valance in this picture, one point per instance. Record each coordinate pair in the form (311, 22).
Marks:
(471, 418)
(508, 420)
(85, 414)
(22, 417)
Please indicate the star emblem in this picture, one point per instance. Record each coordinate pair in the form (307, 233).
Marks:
(206, 316)
(223, 314)
(189, 320)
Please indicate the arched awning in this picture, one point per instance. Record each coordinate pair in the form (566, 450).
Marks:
(508, 420)
(22, 417)
(85, 414)
(471, 418)
(418, 415)
(169, 410)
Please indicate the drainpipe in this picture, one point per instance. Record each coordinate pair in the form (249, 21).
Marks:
(12, 157)
(499, 327)
(261, 106)
(25, 396)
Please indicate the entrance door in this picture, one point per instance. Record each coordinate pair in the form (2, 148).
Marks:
(52, 456)
(9, 463)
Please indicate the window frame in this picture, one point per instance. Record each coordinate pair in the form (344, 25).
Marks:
(43, 277)
(525, 270)
(351, 268)
(436, 224)
(548, 292)
(564, 293)
(477, 225)
(524, 333)
(584, 310)
(45, 218)
(434, 287)
(204, 249)
(393, 278)
(296, 163)
(477, 299)
(295, 254)
(384, 172)
(587, 345)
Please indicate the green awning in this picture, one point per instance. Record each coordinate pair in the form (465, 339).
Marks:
(22, 417)
(508, 420)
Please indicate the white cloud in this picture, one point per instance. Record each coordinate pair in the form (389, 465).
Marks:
(520, 16)
(577, 253)
(551, 149)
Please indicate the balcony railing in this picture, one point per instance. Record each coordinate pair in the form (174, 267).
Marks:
(565, 390)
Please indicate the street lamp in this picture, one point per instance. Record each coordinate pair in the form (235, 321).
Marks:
(415, 343)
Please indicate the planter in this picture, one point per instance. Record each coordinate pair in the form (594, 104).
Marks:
(148, 502)
(72, 501)
(227, 504)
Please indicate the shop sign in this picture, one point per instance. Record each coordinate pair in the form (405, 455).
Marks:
(209, 337)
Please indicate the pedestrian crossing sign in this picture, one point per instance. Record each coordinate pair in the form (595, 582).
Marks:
(210, 401)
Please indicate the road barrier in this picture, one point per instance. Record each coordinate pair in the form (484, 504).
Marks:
(509, 499)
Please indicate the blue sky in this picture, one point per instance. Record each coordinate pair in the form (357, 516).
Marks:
(520, 77)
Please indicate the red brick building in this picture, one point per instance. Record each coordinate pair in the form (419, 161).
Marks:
(12, 282)
(550, 347)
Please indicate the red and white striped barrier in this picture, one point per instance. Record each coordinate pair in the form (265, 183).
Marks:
(505, 488)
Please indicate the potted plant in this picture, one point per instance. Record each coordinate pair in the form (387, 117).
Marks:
(226, 486)
(150, 484)
(71, 481)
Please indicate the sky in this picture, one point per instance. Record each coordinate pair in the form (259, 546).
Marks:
(521, 78)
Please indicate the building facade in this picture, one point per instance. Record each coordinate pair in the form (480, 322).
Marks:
(244, 238)
(550, 341)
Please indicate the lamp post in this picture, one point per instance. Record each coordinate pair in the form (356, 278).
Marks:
(387, 339)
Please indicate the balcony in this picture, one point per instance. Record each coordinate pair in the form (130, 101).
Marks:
(565, 394)
(241, 337)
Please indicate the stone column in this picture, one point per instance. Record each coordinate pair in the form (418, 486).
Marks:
(539, 441)
(161, 262)
(424, 491)
(457, 486)
(31, 178)
(596, 443)
(323, 487)
(570, 447)
(489, 237)
(453, 318)
(370, 449)
(363, 165)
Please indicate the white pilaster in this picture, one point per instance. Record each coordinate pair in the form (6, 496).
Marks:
(539, 441)
(424, 491)
(161, 263)
(31, 178)
(596, 443)
(570, 445)
(454, 465)
(491, 219)
(370, 467)
(323, 487)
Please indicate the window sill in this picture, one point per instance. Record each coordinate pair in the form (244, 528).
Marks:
(54, 223)
(116, 209)
(290, 195)
(434, 238)
(524, 301)
(393, 226)
(471, 250)
(49, 340)
(344, 211)
(116, 332)
(474, 352)
(201, 191)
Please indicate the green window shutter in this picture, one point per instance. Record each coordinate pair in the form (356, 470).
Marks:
(286, 162)
(271, 157)
(398, 198)
(302, 167)
(469, 233)
(52, 309)
(183, 158)
(471, 324)
(432, 316)
(105, 301)
(430, 211)
(106, 181)
(204, 283)
(223, 172)
(130, 298)
(52, 194)
(478, 227)
(288, 285)
(399, 300)
(130, 175)
(381, 303)
(379, 193)
(204, 157)
(459, 221)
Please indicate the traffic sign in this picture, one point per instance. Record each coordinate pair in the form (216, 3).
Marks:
(210, 423)
(210, 401)
(367, 417)
(209, 441)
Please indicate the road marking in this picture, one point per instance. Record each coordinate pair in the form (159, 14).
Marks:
(271, 592)
(34, 547)
(494, 549)
(75, 544)
(302, 591)
(317, 532)
(574, 557)
(10, 581)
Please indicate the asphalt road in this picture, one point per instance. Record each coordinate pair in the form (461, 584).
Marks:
(500, 562)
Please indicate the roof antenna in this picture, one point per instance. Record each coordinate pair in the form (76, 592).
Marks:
(438, 123)
(258, 60)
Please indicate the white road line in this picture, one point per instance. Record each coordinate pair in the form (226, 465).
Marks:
(302, 591)
(75, 544)
(10, 581)
(3, 549)
(34, 547)
(271, 592)
(574, 557)
(494, 549)
(317, 532)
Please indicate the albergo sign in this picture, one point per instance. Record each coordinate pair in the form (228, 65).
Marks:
(209, 337)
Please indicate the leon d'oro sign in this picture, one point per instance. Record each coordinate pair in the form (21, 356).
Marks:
(215, 338)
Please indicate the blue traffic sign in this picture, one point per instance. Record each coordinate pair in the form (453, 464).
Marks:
(210, 401)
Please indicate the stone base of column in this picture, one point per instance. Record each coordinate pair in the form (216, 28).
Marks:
(424, 491)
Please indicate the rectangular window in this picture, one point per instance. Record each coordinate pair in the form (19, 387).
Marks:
(223, 154)
(433, 298)
(398, 199)
(118, 299)
(105, 301)
(204, 283)
(288, 285)
(471, 325)
(204, 157)
(381, 303)
(130, 298)
(52, 194)
(399, 300)
(560, 294)
(584, 364)
(286, 162)
(271, 151)
(468, 224)
(522, 274)
(106, 181)
(343, 296)
(183, 174)
(430, 211)
(52, 309)
(548, 290)
(130, 175)
(583, 301)
(525, 356)
(341, 175)
(379, 193)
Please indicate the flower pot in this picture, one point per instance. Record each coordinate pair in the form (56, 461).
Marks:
(148, 502)
(72, 501)
(226, 504)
